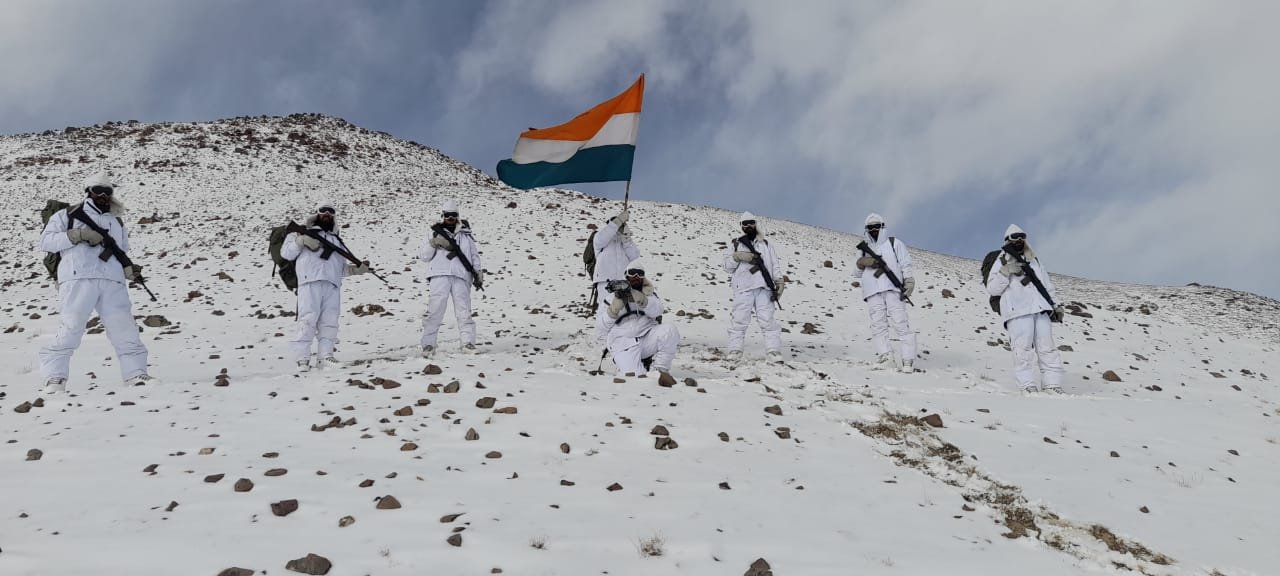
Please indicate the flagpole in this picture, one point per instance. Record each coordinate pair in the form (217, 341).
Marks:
(626, 196)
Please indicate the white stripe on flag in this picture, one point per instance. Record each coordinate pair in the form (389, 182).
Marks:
(620, 129)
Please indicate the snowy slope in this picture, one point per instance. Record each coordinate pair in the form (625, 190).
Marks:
(860, 485)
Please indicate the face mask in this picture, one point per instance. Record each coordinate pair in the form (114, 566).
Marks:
(325, 221)
(1018, 245)
(635, 277)
(101, 197)
(750, 231)
(874, 233)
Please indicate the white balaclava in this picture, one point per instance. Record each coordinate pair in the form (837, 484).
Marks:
(314, 217)
(637, 264)
(449, 206)
(1011, 230)
(874, 218)
(103, 178)
(748, 216)
(99, 179)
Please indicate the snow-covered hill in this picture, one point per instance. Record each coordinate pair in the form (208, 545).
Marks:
(1171, 470)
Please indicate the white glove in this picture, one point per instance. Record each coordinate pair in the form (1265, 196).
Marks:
(440, 243)
(133, 273)
(615, 307)
(744, 257)
(353, 270)
(304, 241)
(478, 279)
(908, 286)
(638, 299)
(1011, 268)
(86, 235)
(777, 292)
(622, 217)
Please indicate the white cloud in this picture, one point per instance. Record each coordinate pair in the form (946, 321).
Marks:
(1122, 131)
(1132, 138)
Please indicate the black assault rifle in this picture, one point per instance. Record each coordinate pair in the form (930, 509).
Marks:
(1033, 278)
(330, 248)
(456, 250)
(897, 283)
(758, 262)
(110, 248)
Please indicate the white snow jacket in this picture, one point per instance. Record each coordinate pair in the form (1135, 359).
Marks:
(638, 324)
(438, 262)
(1015, 299)
(742, 278)
(310, 265)
(894, 253)
(613, 252)
(80, 261)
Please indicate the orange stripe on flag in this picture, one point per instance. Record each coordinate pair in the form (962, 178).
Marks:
(586, 124)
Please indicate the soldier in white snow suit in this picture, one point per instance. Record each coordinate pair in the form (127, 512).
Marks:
(1027, 313)
(614, 249)
(320, 273)
(884, 299)
(635, 334)
(449, 278)
(87, 283)
(751, 291)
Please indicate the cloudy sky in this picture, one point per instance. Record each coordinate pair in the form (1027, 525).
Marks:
(1135, 141)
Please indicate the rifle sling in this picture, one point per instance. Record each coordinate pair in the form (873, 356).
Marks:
(764, 269)
(438, 229)
(893, 278)
(1035, 279)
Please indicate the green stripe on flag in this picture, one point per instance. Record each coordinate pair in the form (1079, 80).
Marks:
(598, 164)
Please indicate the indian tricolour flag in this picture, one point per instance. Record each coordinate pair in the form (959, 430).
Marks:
(597, 146)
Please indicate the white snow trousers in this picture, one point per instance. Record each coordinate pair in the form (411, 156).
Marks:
(759, 301)
(603, 322)
(440, 291)
(885, 308)
(1031, 336)
(319, 304)
(660, 342)
(79, 298)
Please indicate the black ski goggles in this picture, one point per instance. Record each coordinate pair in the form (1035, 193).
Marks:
(102, 190)
(1018, 236)
(447, 215)
(326, 210)
(635, 273)
(746, 223)
(876, 226)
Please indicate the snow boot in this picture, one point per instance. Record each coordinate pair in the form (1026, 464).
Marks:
(55, 385)
(774, 356)
(328, 362)
(882, 361)
(1054, 391)
(304, 366)
(1030, 391)
(469, 348)
(907, 367)
(140, 380)
(428, 351)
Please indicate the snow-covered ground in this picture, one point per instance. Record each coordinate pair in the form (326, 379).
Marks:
(1172, 470)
